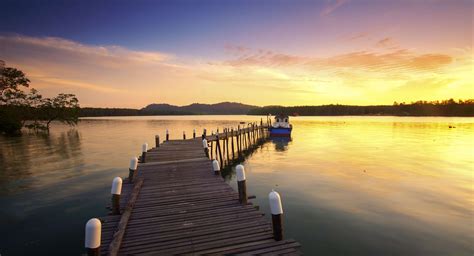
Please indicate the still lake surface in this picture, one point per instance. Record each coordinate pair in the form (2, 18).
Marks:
(349, 185)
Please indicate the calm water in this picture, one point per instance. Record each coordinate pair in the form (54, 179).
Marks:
(350, 185)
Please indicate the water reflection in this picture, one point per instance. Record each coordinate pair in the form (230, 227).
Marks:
(26, 161)
(350, 185)
(281, 143)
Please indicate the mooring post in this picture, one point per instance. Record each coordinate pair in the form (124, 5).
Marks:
(277, 212)
(232, 138)
(92, 239)
(167, 135)
(218, 148)
(227, 144)
(194, 133)
(206, 147)
(132, 169)
(116, 191)
(237, 136)
(157, 141)
(184, 135)
(216, 167)
(144, 150)
(242, 187)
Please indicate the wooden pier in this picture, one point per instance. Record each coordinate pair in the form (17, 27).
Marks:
(178, 205)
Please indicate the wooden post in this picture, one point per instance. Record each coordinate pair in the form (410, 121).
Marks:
(277, 212)
(144, 150)
(242, 187)
(216, 167)
(167, 135)
(215, 149)
(132, 169)
(116, 191)
(227, 144)
(250, 136)
(232, 137)
(237, 136)
(210, 150)
(219, 149)
(184, 135)
(93, 237)
(157, 141)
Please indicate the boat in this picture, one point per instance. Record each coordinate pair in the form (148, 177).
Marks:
(281, 127)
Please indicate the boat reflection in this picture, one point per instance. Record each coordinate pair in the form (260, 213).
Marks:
(281, 143)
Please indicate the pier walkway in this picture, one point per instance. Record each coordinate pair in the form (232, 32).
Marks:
(177, 205)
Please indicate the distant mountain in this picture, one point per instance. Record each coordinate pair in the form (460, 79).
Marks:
(223, 108)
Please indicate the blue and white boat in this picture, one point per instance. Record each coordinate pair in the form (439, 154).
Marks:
(281, 127)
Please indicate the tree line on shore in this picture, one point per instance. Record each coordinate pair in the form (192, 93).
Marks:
(420, 108)
(21, 108)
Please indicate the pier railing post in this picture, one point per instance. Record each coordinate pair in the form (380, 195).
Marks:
(116, 191)
(167, 135)
(241, 183)
(132, 169)
(277, 212)
(216, 167)
(144, 150)
(218, 148)
(93, 237)
(157, 141)
(232, 138)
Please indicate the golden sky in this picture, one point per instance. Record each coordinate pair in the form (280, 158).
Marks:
(345, 52)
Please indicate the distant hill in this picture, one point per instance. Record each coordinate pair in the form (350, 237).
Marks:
(223, 108)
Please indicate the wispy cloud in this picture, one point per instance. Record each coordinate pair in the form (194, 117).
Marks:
(401, 59)
(332, 6)
(386, 42)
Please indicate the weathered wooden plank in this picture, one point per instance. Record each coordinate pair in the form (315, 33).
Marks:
(183, 208)
(117, 238)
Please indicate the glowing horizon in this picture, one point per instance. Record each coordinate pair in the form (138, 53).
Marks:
(309, 53)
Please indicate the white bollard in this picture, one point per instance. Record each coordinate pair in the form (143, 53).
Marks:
(116, 191)
(277, 211)
(241, 183)
(132, 169)
(205, 147)
(144, 150)
(216, 167)
(92, 239)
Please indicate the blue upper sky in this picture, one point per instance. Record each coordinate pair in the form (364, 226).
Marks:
(174, 26)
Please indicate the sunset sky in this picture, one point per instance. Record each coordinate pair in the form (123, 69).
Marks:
(261, 52)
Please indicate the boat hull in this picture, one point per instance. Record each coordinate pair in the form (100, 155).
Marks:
(279, 132)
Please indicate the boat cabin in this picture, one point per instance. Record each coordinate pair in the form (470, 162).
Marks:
(281, 121)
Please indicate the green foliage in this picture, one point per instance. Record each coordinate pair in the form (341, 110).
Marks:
(420, 108)
(21, 109)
